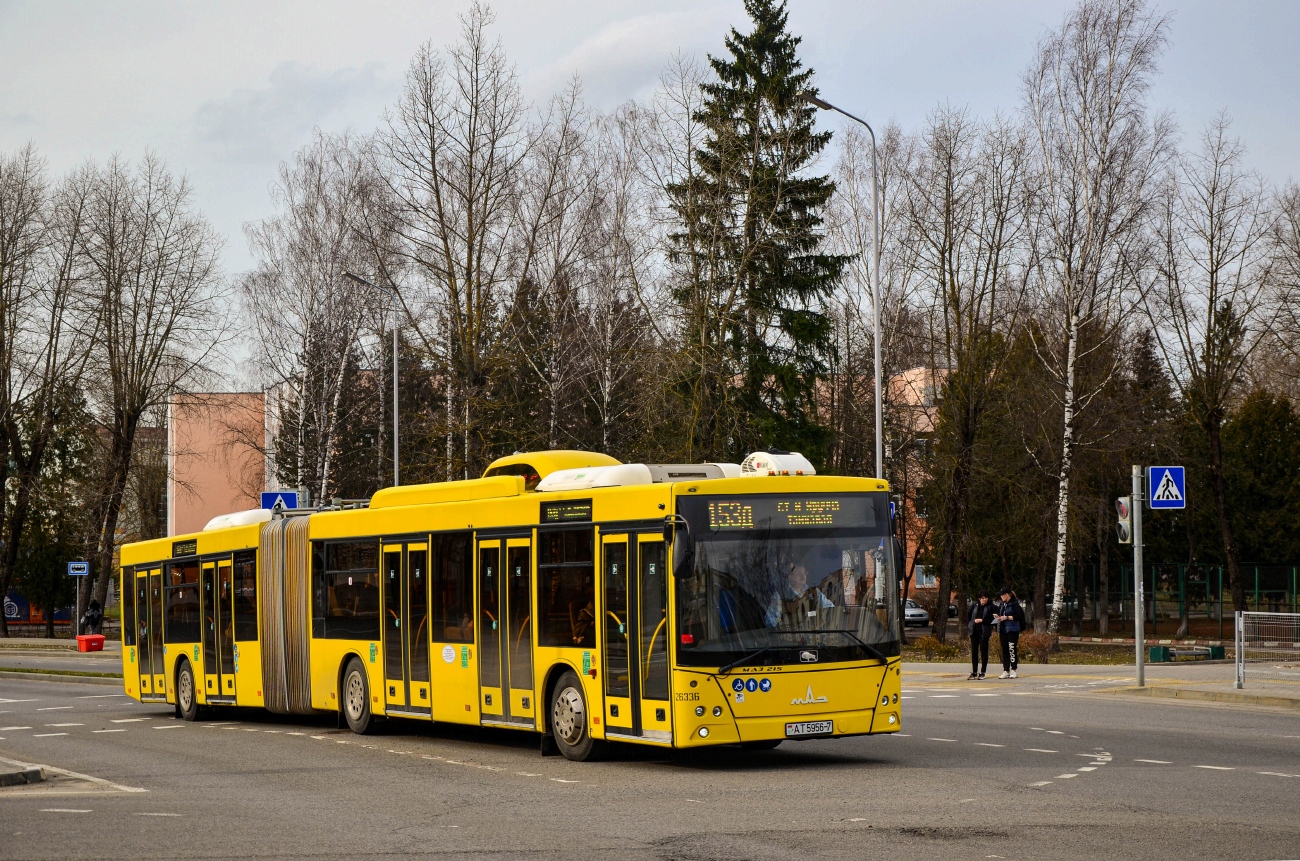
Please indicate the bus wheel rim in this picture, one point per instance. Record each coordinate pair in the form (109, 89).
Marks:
(570, 717)
(356, 696)
(186, 690)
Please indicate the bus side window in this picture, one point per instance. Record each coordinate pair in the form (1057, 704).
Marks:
(245, 596)
(566, 571)
(451, 586)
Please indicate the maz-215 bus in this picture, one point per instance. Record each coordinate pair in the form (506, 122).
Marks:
(563, 593)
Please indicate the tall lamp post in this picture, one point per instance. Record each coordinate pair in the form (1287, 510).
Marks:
(393, 321)
(875, 271)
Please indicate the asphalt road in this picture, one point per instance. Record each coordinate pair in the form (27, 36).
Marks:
(1021, 770)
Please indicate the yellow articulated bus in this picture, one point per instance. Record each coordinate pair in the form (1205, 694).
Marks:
(563, 593)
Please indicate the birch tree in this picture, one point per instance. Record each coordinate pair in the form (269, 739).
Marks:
(1099, 159)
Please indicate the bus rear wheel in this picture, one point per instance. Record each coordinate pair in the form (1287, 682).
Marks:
(569, 721)
(356, 698)
(187, 698)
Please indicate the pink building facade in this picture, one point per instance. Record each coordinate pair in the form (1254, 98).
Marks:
(216, 461)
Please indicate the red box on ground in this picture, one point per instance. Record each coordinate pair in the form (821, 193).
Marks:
(90, 642)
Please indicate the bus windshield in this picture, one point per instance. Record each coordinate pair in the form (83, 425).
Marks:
(788, 579)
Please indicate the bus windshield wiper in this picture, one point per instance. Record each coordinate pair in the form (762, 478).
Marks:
(870, 649)
(745, 660)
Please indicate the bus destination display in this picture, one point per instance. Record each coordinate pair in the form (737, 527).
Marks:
(790, 512)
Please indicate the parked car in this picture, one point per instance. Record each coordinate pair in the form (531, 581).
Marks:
(952, 611)
(914, 614)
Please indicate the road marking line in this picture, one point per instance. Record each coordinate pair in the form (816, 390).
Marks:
(63, 810)
(170, 726)
(1087, 768)
(903, 734)
(1098, 763)
(986, 695)
(54, 708)
(1040, 750)
(528, 774)
(158, 814)
(943, 696)
(858, 819)
(65, 724)
(99, 696)
(1022, 693)
(48, 734)
(1277, 774)
(37, 699)
(901, 691)
(1065, 776)
(11, 728)
(1041, 783)
(987, 744)
(1055, 732)
(562, 780)
(1155, 761)
(908, 698)
(108, 730)
(1037, 728)
(941, 739)
(1215, 767)
(127, 720)
(78, 775)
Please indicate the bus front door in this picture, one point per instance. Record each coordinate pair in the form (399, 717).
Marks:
(406, 628)
(635, 637)
(505, 631)
(148, 623)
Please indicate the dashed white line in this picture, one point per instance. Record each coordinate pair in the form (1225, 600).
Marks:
(64, 810)
(986, 695)
(988, 744)
(170, 726)
(941, 739)
(65, 724)
(12, 728)
(47, 734)
(158, 814)
(108, 730)
(99, 696)
(128, 720)
(943, 696)
(54, 708)
(562, 780)
(1088, 768)
(1215, 767)
(1155, 761)
(1277, 774)
(1041, 783)
(1040, 750)
(1055, 732)
(1037, 728)
(1065, 776)
(907, 698)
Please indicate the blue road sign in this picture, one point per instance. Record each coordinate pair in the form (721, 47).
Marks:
(1166, 487)
(280, 499)
(78, 569)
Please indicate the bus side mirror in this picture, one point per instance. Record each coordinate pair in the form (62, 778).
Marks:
(678, 531)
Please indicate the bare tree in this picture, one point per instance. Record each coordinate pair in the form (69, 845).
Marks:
(966, 205)
(43, 350)
(452, 154)
(1211, 307)
(153, 290)
(1099, 161)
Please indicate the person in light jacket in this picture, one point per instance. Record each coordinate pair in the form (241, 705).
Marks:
(1010, 619)
(980, 627)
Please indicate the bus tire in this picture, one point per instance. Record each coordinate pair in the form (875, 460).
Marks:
(765, 744)
(187, 693)
(570, 723)
(355, 698)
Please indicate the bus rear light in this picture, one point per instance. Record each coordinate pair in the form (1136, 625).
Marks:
(688, 639)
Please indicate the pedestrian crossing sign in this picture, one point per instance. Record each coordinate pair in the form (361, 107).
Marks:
(1166, 487)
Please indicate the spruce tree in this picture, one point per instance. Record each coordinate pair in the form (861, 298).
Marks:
(751, 222)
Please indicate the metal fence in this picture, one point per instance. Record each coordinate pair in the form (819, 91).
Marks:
(1270, 644)
(1195, 597)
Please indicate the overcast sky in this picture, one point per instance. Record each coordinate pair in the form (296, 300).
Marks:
(225, 91)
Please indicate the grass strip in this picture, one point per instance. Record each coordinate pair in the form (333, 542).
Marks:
(43, 672)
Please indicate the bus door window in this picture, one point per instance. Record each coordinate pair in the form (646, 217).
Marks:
(489, 624)
(517, 581)
(226, 637)
(654, 622)
(617, 631)
(417, 622)
(394, 675)
(210, 630)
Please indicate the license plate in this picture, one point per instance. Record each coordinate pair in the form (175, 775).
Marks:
(812, 727)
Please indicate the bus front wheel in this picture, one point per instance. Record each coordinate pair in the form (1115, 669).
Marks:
(356, 698)
(569, 721)
(187, 698)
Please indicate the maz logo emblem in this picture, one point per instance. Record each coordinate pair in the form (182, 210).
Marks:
(808, 699)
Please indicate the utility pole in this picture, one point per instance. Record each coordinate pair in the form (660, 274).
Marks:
(1139, 614)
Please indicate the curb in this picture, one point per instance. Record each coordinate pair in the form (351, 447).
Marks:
(60, 677)
(27, 775)
(1167, 692)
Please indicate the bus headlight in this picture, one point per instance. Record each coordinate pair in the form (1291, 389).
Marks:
(699, 711)
(893, 719)
(704, 732)
(717, 711)
(884, 701)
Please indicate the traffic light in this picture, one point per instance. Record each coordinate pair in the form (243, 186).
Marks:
(1125, 525)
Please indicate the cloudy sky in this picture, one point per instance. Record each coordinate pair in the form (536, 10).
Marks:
(224, 91)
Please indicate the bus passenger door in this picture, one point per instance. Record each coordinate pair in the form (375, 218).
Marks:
(144, 627)
(622, 694)
(518, 631)
(490, 630)
(210, 613)
(652, 633)
(406, 627)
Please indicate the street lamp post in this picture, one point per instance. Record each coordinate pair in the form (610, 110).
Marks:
(393, 325)
(875, 271)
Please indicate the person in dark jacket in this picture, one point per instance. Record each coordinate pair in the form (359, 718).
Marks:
(91, 619)
(1010, 620)
(980, 626)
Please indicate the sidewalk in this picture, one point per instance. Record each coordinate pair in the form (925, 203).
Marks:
(1189, 680)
